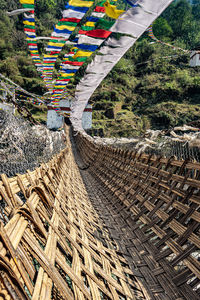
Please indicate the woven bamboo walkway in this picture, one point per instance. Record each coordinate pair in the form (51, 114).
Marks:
(100, 223)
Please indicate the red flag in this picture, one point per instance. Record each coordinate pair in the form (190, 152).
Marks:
(99, 33)
(73, 63)
(74, 20)
(99, 9)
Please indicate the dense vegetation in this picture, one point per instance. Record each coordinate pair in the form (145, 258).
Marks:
(15, 62)
(144, 90)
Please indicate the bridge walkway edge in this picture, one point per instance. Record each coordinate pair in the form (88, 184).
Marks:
(146, 205)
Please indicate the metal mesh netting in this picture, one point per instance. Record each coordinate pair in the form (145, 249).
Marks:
(180, 150)
(24, 147)
(182, 145)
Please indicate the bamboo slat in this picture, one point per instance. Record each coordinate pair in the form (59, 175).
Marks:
(153, 206)
(48, 243)
(101, 223)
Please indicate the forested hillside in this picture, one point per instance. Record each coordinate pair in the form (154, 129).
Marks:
(145, 89)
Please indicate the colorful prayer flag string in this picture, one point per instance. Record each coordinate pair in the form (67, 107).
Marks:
(87, 43)
(152, 36)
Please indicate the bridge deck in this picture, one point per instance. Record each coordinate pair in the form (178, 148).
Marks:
(150, 206)
(110, 225)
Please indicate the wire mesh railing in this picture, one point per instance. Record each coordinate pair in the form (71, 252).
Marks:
(24, 146)
(183, 146)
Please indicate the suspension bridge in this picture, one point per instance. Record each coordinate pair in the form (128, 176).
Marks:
(98, 222)
(101, 223)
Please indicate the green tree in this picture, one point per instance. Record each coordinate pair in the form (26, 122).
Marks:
(6, 36)
(183, 23)
(162, 29)
(196, 11)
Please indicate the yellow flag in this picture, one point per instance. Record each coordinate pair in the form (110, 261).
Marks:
(81, 53)
(27, 1)
(70, 74)
(49, 56)
(62, 27)
(29, 23)
(56, 44)
(67, 74)
(90, 24)
(111, 10)
(80, 3)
